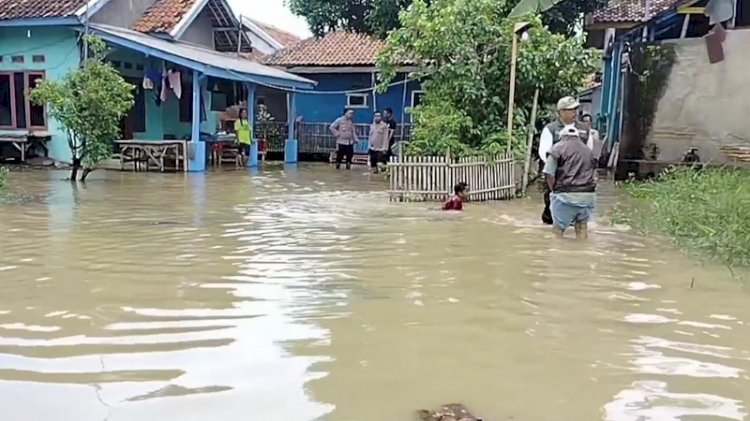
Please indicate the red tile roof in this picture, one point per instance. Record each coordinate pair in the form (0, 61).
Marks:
(25, 9)
(163, 15)
(338, 48)
(631, 10)
(281, 36)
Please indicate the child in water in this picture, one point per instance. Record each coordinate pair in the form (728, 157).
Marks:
(461, 194)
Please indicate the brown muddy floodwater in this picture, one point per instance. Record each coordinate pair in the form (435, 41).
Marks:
(304, 294)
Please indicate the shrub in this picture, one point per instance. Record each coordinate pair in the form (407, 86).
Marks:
(705, 212)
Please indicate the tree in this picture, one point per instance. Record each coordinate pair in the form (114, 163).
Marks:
(379, 17)
(374, 17)
(88, 103)
(461, 49)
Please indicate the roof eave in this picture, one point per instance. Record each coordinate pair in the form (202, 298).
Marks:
(52, 21)
(249, 24)
(188, 18)
(302, 83)
(331, 69)
(91, 7)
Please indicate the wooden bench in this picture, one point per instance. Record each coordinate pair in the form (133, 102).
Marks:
(25, 142)
(147, 153)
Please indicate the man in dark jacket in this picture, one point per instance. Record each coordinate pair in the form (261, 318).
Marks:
(567, 113)
(570, 174)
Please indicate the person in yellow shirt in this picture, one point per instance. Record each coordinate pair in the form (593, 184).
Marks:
(243, 131)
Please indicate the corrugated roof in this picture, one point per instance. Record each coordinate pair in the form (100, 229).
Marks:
(338, 48)
(631, 10)
(204, 56)
(29, 9)
(163, 15)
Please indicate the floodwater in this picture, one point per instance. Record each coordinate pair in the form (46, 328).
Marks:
(304, 294)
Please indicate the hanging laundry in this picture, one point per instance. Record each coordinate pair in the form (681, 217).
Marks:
(175, 80)
(719, 11)
(164, 87)
(148, 84)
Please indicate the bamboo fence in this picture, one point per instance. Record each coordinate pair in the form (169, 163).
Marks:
(431, 178)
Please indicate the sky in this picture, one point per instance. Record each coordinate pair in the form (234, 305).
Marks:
(272, 12)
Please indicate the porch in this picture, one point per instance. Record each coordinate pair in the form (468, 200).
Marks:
(187, 97)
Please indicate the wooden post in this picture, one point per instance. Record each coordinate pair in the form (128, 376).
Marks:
(685, 25)
(512, 90)
(198, 160)
(529, 142)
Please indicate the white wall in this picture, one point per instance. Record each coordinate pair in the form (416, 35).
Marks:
(705, 105)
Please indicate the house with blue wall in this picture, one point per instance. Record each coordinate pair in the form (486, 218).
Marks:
(197, 40)
(343, 66)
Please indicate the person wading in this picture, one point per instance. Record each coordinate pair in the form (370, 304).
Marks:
(243, 130)
(379, 133)
(344, 130)
(567, 110)
(570, 174)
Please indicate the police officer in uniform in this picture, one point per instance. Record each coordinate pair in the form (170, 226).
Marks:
(567, 113)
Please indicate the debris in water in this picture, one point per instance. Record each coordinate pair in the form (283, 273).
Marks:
(450, 412)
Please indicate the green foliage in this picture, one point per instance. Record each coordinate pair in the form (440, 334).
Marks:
(88, 103)
(705, 212)
(560, 16)
(462, 51)
(3, 180)
(379, 17)
(375, 17)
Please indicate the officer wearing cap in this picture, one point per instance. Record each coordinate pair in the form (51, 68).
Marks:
(567, 113)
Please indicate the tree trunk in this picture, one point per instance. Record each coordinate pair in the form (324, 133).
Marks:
(74, 170)
(86, 172)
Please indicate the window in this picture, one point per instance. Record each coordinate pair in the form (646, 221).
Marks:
(16, 111)
(39, 58)
(17, 59)
(356, 100)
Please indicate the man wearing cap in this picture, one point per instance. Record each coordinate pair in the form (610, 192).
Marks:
(567, 112)
(570, 174)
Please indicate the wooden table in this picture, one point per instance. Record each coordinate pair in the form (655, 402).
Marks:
(217, 147)
(24, 142)
(150, 152)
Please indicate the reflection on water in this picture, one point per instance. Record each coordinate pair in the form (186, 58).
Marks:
(303, 294)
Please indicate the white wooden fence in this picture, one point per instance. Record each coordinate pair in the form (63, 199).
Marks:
(423, 178)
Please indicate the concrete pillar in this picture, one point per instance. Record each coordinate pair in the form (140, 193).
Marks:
(196, 147)
(252, 161)
(291, 145)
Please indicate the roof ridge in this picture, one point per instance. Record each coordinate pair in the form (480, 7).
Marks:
(334, 48)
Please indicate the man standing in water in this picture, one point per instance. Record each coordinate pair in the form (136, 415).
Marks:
(597, 149)
(388, 118)
(569, 172)
(344, 130)
(378, 138)
(567, 110)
